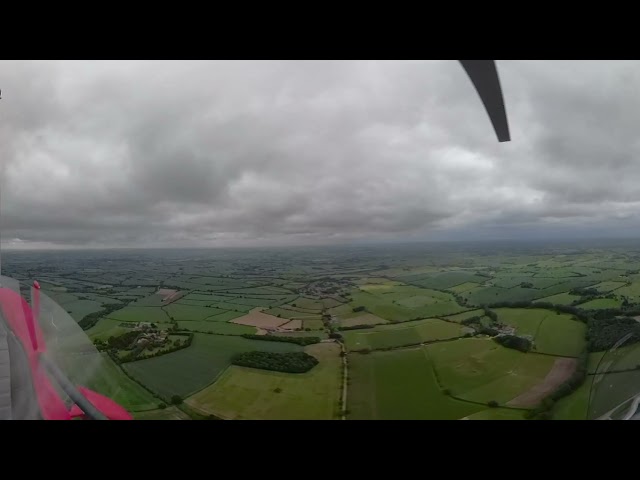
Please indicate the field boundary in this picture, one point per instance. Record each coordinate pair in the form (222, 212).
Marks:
(561, 371)
(366, 351)
(450, 395)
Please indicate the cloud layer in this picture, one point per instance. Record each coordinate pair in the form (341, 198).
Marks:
(241, 153)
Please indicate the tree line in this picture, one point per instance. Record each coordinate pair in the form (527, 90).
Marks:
(135, 354)
(91, 319)
(513, 341)
(290, 362)
(356, 327)
(545, 409)
(122, 342)
(604, 326)
(303, 341)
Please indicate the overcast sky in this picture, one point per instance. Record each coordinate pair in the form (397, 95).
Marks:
(124, 153)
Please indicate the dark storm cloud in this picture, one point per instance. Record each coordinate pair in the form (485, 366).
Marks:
(225, 153)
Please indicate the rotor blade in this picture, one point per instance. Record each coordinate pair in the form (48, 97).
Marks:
(484, 76)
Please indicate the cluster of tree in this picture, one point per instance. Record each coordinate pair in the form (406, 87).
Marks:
(584, 291)
(615, 312)
(124, 341)
(513, 341)
(131, 356)
(603, 333)
(290, 362)
(587, 294)
(273, 338)
(491, 314)
(91, 319)
(361, 308)
(526, 285)
(459, 298)
(492, 332)
(570, 309)
(471, 321)
(544, 410)
(136, 353)
(356, 327)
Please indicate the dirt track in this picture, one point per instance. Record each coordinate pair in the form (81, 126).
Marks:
(562, 369)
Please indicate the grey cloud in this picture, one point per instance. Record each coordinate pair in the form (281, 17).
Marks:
(225, 153)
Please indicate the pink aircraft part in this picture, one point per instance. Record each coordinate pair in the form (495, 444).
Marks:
(20, 318)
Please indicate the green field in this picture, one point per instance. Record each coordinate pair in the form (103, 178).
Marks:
(140, 314)
(248, 393)
(330, 303)
(153, 300)
(599, 303)
(233, 307)
(416, 360)
(560, 299)
(308, 304)
(169, 413)
(525, 320)
(190, 312)
(464, 287)
(557, 272)
(254, 302)
(418, 303)
(480, 370)
(594, 362)
(362, 319)
(552, 333)
(207, 298)
(606, 287)
(343, 311)
(80, 308)
(257, 291)
(443, 280)
(464, 315)
(396, 335)
(222, 328)
(312, 324)
(489, 295)
(101, 374)
(63, 298)
(100, 298)
(139, 291)
(106, 328)
(497, 414)
(299, 310)
(225, 316)
(378, 392)
(632, 292)
(560, 335)
(188, 370)
(291, 314)
(197, 303)
(321, 334)
(574, 406)
(565, 286)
